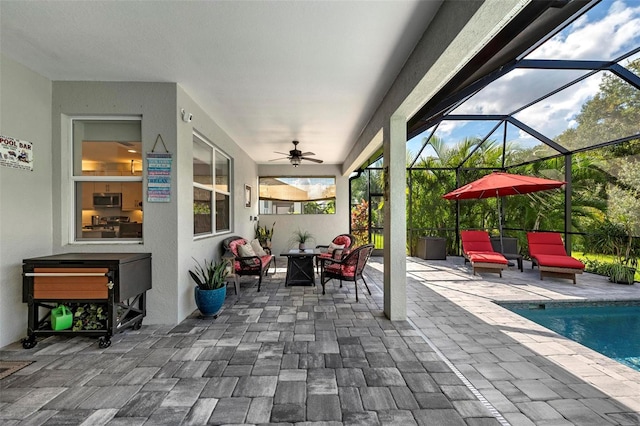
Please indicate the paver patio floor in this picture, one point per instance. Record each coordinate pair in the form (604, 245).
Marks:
(289, 355)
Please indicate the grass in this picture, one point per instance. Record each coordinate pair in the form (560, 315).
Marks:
(605, 258)
(377, 241)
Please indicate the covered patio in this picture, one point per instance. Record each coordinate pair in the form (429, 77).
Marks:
(290, 355)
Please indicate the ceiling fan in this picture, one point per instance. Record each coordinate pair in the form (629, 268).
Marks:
(295, 156)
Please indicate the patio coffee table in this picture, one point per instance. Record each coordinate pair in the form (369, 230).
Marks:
(300, 269)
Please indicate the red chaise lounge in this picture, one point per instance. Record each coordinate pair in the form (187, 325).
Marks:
(547, 251)
(477, 249)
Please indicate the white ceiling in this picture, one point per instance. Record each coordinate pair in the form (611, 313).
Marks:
(268, 72)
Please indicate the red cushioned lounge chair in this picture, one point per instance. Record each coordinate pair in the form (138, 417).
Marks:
(477, 249)
(547, 252)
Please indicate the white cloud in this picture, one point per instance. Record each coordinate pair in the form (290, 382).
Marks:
(608, 31)
(591, 39)
(446, 128)
(555, 114)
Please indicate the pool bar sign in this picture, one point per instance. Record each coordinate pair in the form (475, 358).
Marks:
(158, 177)
(16, 154)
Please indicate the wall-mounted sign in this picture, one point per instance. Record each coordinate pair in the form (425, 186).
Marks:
(158, 177)
(159, 174)
(15, 153)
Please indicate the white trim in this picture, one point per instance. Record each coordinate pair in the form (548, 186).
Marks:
(72, 179)
(215, 151)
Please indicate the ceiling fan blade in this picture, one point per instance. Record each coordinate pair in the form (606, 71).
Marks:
(311, 159)
(307, 153)
(281, 153)
(277, 159)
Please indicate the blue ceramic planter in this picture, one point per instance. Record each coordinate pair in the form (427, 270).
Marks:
(209, 302)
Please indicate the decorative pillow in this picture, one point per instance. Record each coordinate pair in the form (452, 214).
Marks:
(233, 246)
(342, 239)
(245, 250)
(333, 247)
(257, 248)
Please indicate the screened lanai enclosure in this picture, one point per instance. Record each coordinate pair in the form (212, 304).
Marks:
(562, 104)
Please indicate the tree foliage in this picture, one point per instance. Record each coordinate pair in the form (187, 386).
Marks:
(605, 182)
(360, 222)
(613, 113)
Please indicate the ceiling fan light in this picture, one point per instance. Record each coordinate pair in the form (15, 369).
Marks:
(295, 161)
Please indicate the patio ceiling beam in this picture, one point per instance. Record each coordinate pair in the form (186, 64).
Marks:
(454, 101)
(476, 117)
(553, 92)
(563, 64)
(479, 145)
(605, 144)
(542, 138)
(626, 75)
(497, 58)
(426, 141)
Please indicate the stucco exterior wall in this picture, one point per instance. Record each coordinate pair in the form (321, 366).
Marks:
(25, 196)
(244, 171)
(35, 206)
(168, 227)
(155, 103)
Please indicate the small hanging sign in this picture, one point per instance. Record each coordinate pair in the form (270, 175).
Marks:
(16, 154)
(159, 174)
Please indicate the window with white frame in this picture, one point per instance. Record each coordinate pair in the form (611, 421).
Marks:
(297, 195)
(107, 179)
(211, 189)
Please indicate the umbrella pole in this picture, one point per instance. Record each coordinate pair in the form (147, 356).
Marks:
(500, 221)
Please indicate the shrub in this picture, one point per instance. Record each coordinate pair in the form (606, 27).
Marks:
(597, 267)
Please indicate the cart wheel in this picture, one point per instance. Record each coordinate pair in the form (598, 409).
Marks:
(29, 342)
(104, 342)
(137, 325)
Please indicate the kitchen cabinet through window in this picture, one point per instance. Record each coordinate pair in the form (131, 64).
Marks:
(107, 179)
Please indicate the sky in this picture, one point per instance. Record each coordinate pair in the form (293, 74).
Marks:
(607, 31)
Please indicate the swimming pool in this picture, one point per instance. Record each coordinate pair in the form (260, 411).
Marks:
(611, 328)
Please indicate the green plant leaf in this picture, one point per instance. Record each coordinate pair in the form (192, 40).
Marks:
(209, 276)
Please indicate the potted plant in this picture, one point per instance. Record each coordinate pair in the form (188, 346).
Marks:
(301, 237)
(616, 239)
(264, 234)
(211, 288)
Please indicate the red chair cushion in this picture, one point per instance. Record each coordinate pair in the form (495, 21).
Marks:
(233, 246)
(338, 269)
(342, 240)
(242, 265)
(487, 257)
(546, 243)
(475, 241)
(265, 260)
(559, 261)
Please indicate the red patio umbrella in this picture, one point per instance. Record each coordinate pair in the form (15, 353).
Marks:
(499, 184)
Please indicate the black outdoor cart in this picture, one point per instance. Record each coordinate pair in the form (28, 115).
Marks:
(115, 282)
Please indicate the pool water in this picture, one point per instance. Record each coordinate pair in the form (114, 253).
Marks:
(612, 330)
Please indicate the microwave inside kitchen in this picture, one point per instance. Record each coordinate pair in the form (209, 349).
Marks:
(107, 200)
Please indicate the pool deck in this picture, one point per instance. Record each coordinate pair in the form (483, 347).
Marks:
(475, 295)
(289, 355)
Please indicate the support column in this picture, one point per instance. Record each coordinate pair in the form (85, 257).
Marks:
(395, 228)
(567, 203)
